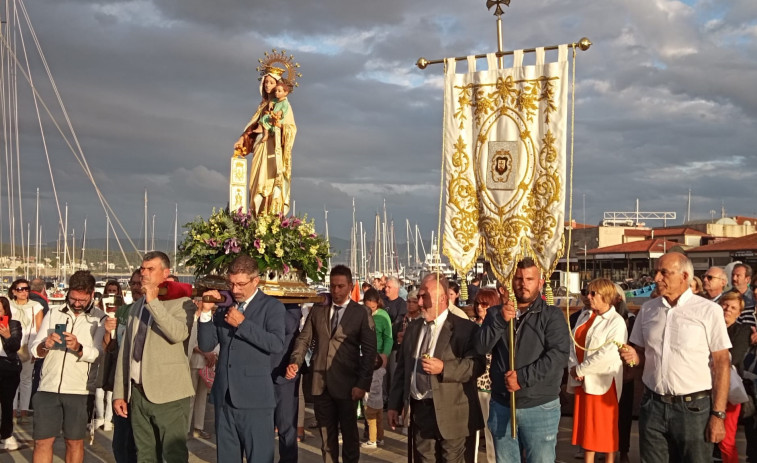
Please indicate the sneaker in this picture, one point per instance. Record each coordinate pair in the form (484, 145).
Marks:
(108, 426)
(201, 434)
(10, 443)
(380, 443)
(368, 445)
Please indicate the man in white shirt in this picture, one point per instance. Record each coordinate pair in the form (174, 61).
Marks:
(674, 338)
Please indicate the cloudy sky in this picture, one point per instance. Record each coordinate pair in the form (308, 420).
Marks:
(159, 90)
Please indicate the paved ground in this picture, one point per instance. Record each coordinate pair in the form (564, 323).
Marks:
(204, 450)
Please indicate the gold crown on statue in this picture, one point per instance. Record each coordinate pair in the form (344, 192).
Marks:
(281, 66)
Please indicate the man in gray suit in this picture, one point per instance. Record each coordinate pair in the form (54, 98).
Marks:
(153, 383)
(341, 375)
(437, 367)
(249, 332)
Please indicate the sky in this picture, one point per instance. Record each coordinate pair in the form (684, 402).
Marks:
(159, 90)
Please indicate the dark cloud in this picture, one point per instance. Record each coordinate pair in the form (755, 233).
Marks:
(158, 91)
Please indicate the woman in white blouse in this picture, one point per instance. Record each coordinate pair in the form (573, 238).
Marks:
(29, 313)
(596, 373)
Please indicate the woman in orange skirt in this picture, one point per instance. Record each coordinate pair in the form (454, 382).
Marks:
(596, 373)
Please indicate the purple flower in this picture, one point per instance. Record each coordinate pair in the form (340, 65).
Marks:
(231, 246)
(286, 269)
(211, 242)
(285, 223)
(296, 222)
(257, 244)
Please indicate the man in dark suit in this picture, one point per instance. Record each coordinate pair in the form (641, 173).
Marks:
(287, 390)
(341, 375)
(249, 332)
(437, 368)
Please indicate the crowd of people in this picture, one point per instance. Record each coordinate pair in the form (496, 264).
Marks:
(424, 361)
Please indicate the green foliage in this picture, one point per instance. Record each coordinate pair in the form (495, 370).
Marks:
(277, 242)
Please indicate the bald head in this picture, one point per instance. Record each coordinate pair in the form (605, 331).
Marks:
(673, 275)
(714, 282)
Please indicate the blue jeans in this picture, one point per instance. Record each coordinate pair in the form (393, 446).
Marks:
(536, 432)
(674, 432)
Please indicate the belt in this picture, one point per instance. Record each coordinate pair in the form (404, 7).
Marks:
(137, 385)
(428, 402)
(678, 399)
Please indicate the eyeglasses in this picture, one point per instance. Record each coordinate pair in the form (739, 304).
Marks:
(243, 284)
(711, 277)
(24, 288)
(481, 304)
(78, 301)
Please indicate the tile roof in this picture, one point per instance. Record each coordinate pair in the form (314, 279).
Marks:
(655, 245)
(675, 231)
(733, 244)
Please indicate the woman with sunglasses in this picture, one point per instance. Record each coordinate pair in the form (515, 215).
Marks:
(10, 373)
(596, 374)
(485, 298)
(29, 313)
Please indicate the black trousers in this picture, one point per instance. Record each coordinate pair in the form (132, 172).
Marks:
(625, 417)
(9, 381)
(333, 414)
(285, 418)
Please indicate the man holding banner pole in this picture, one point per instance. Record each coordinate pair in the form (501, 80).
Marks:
(542, 344)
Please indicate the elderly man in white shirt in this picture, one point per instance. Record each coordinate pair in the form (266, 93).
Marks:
(674, 338)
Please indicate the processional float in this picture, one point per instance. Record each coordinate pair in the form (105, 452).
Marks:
(504, 160)
(256, 221)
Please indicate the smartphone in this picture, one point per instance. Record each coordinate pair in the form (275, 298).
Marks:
(60, 328)
(4, 321)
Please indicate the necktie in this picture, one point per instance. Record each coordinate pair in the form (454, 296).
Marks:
(422, 379)
(139, 339)
(241, 307)
(335, 319)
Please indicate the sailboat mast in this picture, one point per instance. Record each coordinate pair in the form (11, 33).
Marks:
(175, 238)
(28, 249)
(326, 219)
(107, 245)
(36, 239)
(145, 220)
(65, 242)
(407, 238)
(362, 252)
(152, 241)
(353, 244)
(83, 242)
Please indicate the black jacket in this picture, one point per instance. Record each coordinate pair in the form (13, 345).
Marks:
(542, 345)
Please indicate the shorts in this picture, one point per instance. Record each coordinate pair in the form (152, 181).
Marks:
(54, 412)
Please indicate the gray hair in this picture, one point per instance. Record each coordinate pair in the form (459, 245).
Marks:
(394, 280)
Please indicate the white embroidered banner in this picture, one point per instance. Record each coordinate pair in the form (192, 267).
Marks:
(504, 151)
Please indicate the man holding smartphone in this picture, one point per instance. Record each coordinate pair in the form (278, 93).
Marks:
(73, 343)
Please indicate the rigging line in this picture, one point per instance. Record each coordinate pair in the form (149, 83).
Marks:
(42, 132)
(2, 109)
(102, 199)
(24, 253)
(104, 203)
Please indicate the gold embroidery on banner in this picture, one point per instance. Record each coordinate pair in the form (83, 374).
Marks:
(462, 196)
(529, 227)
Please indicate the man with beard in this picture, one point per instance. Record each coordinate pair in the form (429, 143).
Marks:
(72, 346)
(542, 345)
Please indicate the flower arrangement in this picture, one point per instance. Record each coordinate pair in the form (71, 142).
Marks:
(276, 241)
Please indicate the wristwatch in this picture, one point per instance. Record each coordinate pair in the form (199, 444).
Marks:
(720, 415)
